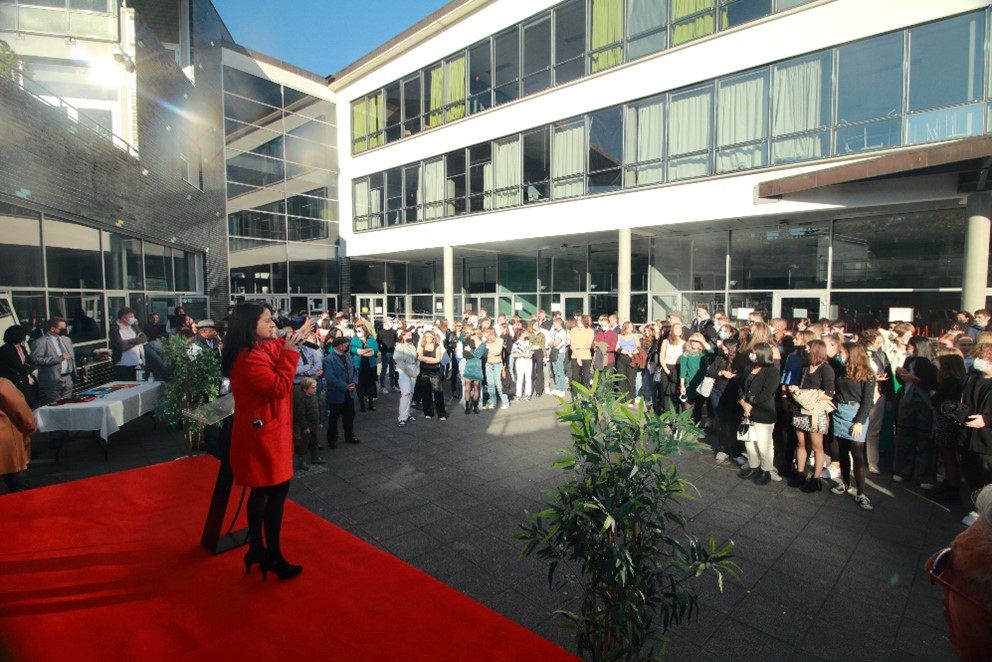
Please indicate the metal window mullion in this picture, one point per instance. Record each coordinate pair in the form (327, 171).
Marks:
(834, 97)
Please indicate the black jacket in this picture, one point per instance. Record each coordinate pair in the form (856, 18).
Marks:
(760, 391)
(977, 394)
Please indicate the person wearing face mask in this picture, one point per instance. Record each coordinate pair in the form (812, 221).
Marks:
(976, 454)
(54, 356)
(126, 339)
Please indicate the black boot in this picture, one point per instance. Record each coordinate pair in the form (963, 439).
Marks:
(813, 485)
(468, 406)
(371, 404)
(281, 568)
(475, 406)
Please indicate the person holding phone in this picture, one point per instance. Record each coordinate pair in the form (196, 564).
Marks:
(261, 368)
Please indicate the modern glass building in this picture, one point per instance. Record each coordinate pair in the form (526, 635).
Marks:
(642, 156)
(804, 158)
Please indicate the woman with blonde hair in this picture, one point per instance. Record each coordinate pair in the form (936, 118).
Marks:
(429, 356)
(626, 348)
(692, 369)
(580, 339)
(494, 370)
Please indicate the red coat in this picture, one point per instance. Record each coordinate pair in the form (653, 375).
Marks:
(262, 384)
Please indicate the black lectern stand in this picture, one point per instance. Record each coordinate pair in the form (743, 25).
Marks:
(210, 414)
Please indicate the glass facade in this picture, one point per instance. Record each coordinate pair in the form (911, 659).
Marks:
(571, 40)
(853, 268)
(52, 266)
(85, 19)
(848, 99)
(282, 196)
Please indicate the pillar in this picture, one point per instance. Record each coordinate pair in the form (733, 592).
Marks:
(976, 252)
(450, 313)
(623, 275)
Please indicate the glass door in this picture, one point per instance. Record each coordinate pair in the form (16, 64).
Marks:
(572, 303)
(372, 308)
(798, 304)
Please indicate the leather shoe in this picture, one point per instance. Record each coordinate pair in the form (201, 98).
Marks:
(763, 478)
(353, 441)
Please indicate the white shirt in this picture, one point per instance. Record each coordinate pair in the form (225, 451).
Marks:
(132, 356)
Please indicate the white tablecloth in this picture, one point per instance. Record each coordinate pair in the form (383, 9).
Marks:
(106, 414)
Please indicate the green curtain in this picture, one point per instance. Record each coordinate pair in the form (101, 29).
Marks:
(436, 108)
(683, 8)
(455, 89)
(607, 29)
(358, 129)
(376, 120)
(694, 28)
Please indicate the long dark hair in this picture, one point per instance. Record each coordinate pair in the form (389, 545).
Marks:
(922, 348)
(240, 332)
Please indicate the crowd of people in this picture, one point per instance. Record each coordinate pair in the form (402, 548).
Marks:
(806, 401)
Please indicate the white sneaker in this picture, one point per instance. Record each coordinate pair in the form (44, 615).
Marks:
(505, 407)
(970, 518)
(721, 458)
(396, 389)
(385, 390)
(863, 501)
(926, 486)
(896, 478)
(775, 476)
(442, 418)
(839, 488)
(741, 460)
(873, 469)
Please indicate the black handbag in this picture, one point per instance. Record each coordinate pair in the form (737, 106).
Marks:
(956, 411)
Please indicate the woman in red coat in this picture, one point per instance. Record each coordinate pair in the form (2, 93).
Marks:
(261, 368)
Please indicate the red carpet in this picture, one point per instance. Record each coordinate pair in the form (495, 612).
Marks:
(110, 568)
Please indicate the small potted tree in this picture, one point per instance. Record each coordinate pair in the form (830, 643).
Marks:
(195, 381)
(614, 528)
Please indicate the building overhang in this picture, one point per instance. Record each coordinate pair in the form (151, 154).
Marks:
(970, 159)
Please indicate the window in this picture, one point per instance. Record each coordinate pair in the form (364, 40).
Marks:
(433, 188)
(394, 196)
(605, 34)
(689, 262)
(72, 255)
(360, 202)
(480, 77)
(376, 123)
(869, 88)
(692, 19)
(506, 49)
(359, 126)
(506, 167)
(785, 256)
(568, 159)
(411, 192)
(646, 23)
(411, 105)
(919, 249)
(20, 252)
(433, 96)
(800, 108)
(537, 55)
(537, 165)
(689, 133)
(742, 121)
(736, 12)
(454, 88)
(645, 140)
(570, 41)
(605, 150)
(945, 68)
(393, 112)
(376, 200)
(454, 193)
(480, 177)
(158, 268)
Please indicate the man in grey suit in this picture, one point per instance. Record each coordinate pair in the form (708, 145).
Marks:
(53, 355)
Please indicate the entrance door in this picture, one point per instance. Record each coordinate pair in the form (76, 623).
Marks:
(372, 308)
(797, 304)
(573, 303)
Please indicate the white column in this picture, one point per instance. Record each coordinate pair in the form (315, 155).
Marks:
(623, 275)
(976, 252)
(449, 285)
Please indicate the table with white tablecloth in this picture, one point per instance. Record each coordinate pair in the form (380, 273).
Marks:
(104, 415)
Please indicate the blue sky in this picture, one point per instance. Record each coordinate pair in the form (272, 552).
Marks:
(322, 36)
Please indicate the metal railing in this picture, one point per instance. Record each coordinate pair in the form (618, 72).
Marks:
(39, 92)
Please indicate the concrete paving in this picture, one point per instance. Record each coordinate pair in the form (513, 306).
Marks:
(822, 579)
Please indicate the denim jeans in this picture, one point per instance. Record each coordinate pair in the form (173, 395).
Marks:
(388, 366)
(558, 368)
(494, 383)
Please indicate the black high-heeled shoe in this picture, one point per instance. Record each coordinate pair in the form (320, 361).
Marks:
(253, 556)
(283, 569)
